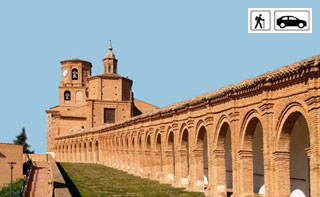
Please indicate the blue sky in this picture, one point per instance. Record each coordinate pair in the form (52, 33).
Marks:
(172, 50)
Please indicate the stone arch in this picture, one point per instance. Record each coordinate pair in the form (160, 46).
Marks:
(200, 155)
(62, 158)
(79, 151)
(222, 156)
(148, 141)
(97, 150)
(157, 141)
(133, 142)
(71, 151)
(140, 152)
(140, 144)
(288, 110)
(67, 152)
(127, 145)
(182, 130)
(158, 160)
(170, 156)
(90, 151)
(148, 154)
(85, 152)
(293, 147)
(251, 154)
(75, 152)
(184, 155)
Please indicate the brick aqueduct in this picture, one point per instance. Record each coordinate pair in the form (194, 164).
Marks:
(259, 136)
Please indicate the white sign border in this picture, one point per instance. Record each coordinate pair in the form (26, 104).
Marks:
(272, 20)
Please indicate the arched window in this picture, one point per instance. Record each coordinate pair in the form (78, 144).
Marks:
(67, 95)
(74, 74)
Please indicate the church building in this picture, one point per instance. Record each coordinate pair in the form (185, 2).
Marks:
(87, 101)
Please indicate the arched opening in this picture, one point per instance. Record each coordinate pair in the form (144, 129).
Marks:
(71, 153)
(148, 142)
(201, 158)
(79, 152)
(184, 158)
(97, 151)
(127, 156)
(75, 153)
(66, 152)
(158, 157)
(222, 160)
(85, 152)
(67, 95)
(74, 74)
(133, 163)
(140, 154)
(252, 158)
(295, 140)
(148, 155)
(90, 152)
(63, 153)
(170, 157)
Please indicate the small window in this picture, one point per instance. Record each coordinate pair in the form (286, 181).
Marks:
(67, 95)
(109, 68)
(109, 115)
(74, 74)
(292, 18)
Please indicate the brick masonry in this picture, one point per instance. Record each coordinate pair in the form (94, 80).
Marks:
(179, 144)
(10, 153)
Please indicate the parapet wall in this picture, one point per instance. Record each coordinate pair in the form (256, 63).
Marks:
(236, 140)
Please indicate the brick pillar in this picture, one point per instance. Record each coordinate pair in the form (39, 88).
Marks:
(282, 167)
(157, 168)
(235, 132)
(314, 151)
(168, 174)
(147, 164)
(141, 162)
(198, 171)
(217, 177)
(268, 161)
(182, 169)
(246, 172)
(135, 156)
(106, 150)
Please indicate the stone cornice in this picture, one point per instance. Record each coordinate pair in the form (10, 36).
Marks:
(279, 76)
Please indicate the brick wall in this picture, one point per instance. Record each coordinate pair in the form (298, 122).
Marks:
(9, 153)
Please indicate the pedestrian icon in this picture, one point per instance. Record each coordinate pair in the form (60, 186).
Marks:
(259, 19)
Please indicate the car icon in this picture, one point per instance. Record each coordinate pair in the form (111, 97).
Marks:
(285, 21)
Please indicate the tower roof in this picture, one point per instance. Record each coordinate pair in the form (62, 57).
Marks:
(110, 53)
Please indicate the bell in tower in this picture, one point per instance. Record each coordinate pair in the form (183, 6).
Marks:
(110, 62)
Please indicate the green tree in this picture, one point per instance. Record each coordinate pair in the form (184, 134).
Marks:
(22, 140)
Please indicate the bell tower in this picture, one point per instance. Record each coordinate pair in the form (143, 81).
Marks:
(110, 63)
(75, 73)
